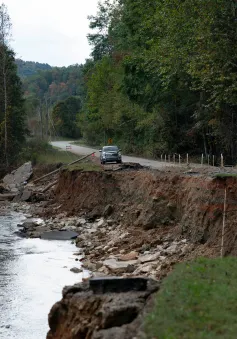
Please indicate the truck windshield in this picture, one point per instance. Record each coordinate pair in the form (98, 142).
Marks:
(110, 148)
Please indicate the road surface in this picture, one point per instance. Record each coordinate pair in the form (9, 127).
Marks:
(82, 150)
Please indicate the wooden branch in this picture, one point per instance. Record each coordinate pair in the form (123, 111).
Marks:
(57, 170)
(49, 186)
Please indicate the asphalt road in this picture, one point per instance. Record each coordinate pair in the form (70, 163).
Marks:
(82, 150)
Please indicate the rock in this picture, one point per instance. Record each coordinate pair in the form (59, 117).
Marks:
(117, 285)
(80, 221)
(59, 235)
(120, 266)
(129, 256)
(146, 268)
(89, 266)
(108, 210)
(76, 270)
(123, 235)
(149, 257)
(17, 178)
(100, 222)
(110, 222)
(172, 249)
(99, 265)
(106, 315)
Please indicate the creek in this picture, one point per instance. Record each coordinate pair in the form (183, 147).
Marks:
(33, 273)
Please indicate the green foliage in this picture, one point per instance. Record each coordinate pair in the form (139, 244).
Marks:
(28, 68)
(10, 142)
(65, 117)
(197, 300)
(41, 152)
(168, 66)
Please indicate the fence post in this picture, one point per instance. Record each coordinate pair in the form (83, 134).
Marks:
(174, 158)
(222, 161)
(179, 160)
(202, 160)
(161, 157)
(165, 158)
(208, 159)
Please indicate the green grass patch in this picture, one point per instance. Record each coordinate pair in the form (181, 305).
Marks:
(197, 300)
(86, 167)
(53, 156)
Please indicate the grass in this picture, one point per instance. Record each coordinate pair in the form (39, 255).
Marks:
(225, 175)
(197, 300)
(52, 156)
(86, 167)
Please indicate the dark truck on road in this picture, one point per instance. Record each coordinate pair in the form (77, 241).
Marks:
(110, 154)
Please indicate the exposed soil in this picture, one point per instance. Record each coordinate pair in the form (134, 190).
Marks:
(138, 222)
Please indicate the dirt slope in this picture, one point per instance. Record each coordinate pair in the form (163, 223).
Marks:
(190, 206)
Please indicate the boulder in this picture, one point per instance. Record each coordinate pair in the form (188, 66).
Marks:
(76, 270)
(129, 256)
(120, 266)
(59, 235)
(16, 179)
(149, 257)
(26, 195)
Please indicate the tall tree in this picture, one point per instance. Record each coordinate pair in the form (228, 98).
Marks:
(12, 126)
(5, 33)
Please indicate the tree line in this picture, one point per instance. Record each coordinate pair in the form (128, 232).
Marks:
(162, 78)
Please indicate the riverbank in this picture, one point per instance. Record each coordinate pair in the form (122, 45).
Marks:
(134, 223)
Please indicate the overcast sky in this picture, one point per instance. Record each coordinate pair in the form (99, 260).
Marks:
(51, 31)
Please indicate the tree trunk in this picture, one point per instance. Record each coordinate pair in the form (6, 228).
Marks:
(5, 109)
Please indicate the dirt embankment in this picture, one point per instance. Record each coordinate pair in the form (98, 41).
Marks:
(182, 205)
(135, 223)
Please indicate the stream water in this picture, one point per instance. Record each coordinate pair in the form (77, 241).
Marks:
(33, 273)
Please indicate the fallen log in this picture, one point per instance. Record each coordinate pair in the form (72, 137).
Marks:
(57, 170)
(49, 186)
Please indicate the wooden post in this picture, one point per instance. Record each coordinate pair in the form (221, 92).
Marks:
(208, 159)
(223, 226)
(174, 158)
(179, 160)
(165, 158)
(222, 161)
(161, 157)
(202, 160)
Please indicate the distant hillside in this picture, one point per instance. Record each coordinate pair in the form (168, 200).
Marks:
(28, 68)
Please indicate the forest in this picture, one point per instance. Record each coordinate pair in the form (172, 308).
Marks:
(163, 76)
(161, 79)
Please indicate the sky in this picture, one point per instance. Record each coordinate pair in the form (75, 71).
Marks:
(51, 31)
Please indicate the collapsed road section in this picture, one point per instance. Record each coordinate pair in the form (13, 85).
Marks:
(130, 223)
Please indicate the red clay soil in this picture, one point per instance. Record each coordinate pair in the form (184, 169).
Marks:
(188, 206)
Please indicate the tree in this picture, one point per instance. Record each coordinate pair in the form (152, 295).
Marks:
(65, 117)
(12, 127)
